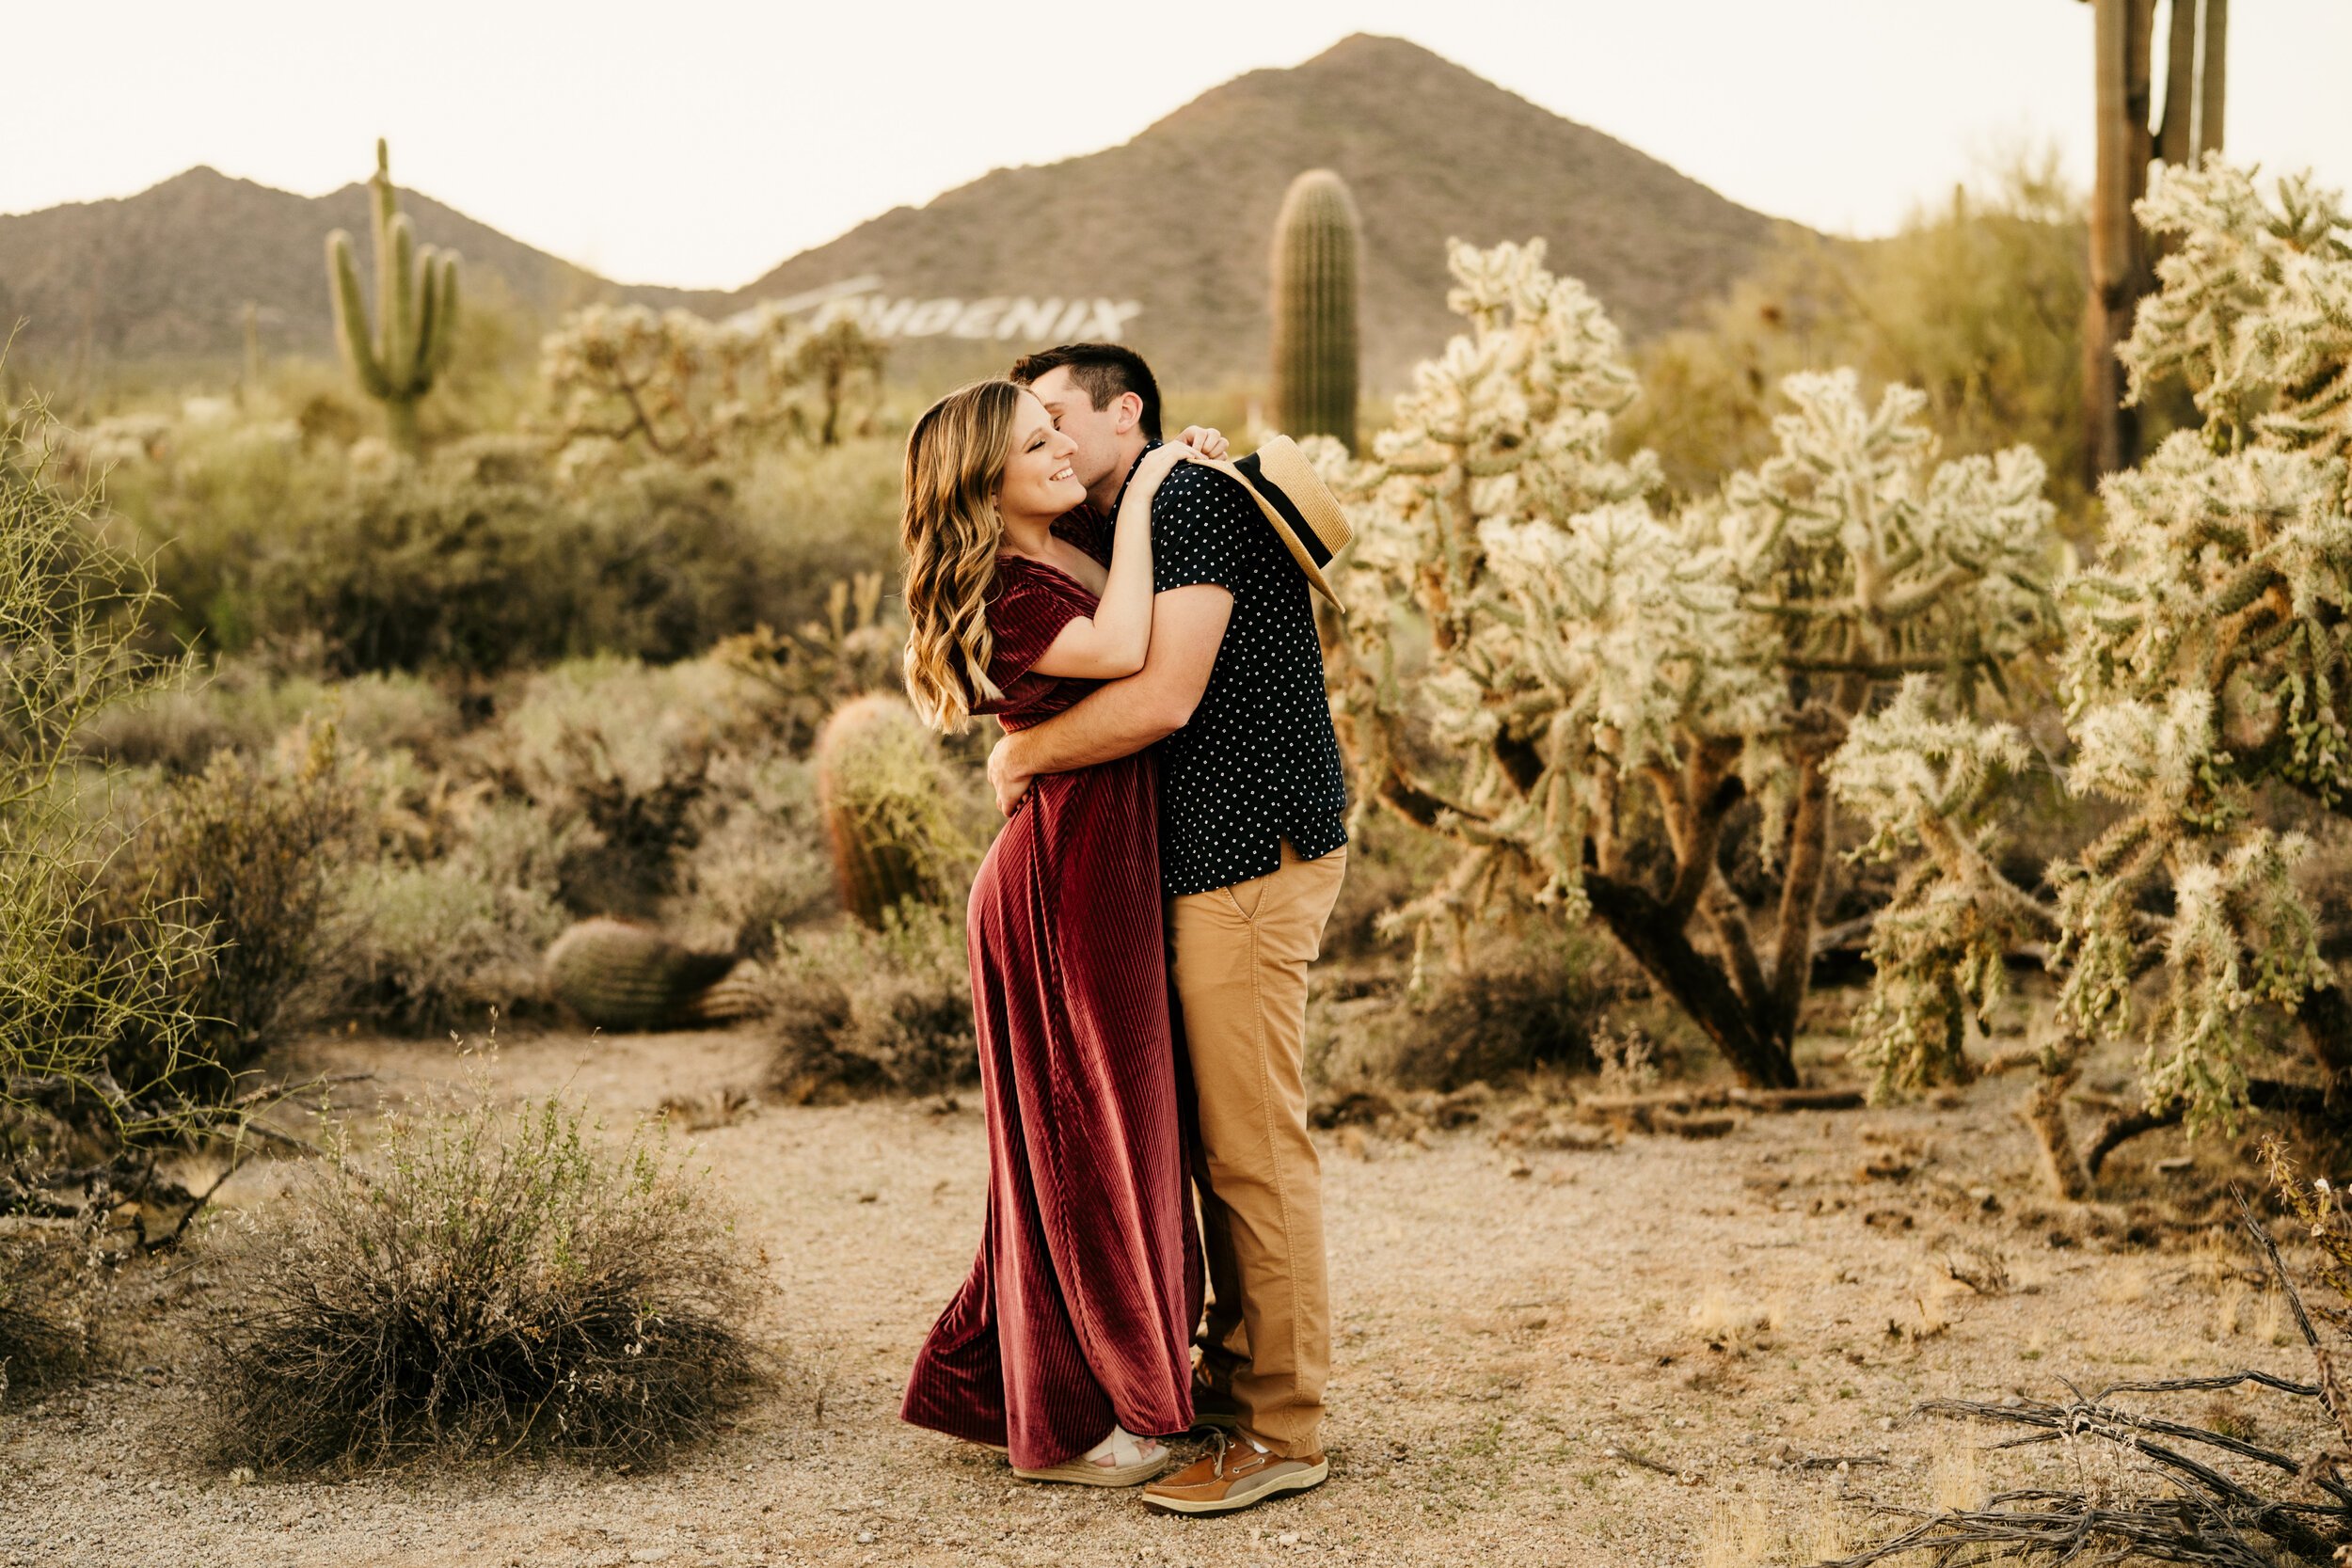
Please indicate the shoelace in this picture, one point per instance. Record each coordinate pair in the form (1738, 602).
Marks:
(1223, 1442)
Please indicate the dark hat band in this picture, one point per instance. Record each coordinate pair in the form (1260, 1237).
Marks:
(1309, 540)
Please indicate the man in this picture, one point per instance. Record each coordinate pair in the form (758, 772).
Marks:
(1253, 849)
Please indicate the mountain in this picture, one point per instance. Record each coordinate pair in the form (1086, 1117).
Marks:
(1163, 239)
(165, 274)
(1180, 220)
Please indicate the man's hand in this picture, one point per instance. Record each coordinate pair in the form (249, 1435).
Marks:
(1205, 439)
(1006, 780)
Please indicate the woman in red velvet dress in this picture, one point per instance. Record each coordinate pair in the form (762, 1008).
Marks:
(1070, 1343)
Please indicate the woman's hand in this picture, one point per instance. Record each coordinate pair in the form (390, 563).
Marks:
(1160, 462)
(1205, 439)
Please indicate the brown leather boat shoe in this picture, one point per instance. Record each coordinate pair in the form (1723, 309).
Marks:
(1239, 1471)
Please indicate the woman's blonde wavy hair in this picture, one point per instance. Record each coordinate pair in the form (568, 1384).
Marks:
(956, 457)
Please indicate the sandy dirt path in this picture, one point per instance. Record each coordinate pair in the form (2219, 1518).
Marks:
(1513, 1327)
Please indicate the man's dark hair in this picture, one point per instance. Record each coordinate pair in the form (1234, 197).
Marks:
(1104, 370)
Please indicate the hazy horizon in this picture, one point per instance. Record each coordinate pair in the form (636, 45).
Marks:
(626, 158)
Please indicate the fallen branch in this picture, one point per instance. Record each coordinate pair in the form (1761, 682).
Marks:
(1684, 1101)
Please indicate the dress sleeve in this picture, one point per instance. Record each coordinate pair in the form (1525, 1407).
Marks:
(1027, 611)
(1203, 529)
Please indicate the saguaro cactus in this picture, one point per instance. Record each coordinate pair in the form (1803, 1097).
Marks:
(1316, 244)
(416, 309)
(883, 796)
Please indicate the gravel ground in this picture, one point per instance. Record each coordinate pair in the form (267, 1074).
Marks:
(1613, 1356)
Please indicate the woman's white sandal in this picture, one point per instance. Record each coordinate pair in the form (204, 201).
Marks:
(1120, 1459)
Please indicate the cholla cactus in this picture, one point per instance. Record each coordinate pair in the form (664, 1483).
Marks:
(626, 382)
(1588, 649)
(2205, 659)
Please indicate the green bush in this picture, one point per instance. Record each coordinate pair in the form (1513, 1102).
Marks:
(489, 1280)
(860, 1012)
(478, 559)
(757, 864)
(617, 756)
(444, 941)
(1977, 303)
(70, 612)
(245, 854)
(1514, 1006)
(242, 708)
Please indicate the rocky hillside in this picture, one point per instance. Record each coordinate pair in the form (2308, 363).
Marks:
(1179, 220)
(1163, 239)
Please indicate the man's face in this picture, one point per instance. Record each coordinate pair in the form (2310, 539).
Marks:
(1105, 437)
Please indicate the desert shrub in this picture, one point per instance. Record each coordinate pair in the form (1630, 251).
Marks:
(618, 754)
(48, 1321)
(245, 855)
(440, 943)
(1977, 302)
(856, 1010)
(489, 1279)
(242, 708)
(1515, 1006)
(758, 865)
(809, 673)
(71, 611)
(274, 538)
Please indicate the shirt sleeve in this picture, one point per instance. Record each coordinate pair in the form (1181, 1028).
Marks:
(1202, 525)
(1027, 611)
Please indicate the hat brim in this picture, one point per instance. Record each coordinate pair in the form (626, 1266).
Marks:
(1286, 486)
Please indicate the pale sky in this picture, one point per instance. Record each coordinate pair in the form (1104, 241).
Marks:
(698, 143)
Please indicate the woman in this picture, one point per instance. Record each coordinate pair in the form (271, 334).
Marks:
(1070, 1343)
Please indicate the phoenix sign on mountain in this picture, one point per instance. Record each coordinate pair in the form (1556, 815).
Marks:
(1004, 317)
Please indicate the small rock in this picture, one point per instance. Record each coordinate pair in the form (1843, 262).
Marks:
(869, 1197)
(1519, 1168)
(1887, 1423)
(1288, 1537)
(866, 1538)
(650, 1554)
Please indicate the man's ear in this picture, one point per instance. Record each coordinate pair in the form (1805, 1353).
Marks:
(1127, 412)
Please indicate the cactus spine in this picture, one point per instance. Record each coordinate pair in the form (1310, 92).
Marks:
(1316, 240)
(416, 309)
(883, 796)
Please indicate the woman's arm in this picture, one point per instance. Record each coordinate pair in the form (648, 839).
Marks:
(1114, 640)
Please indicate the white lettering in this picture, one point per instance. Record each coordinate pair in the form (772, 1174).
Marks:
(997, 316)
(932, 318)
(977, 320)
(884, 321)
(1029, 318)
(1110, 319)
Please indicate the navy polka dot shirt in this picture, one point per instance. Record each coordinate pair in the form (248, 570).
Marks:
(1258, 762)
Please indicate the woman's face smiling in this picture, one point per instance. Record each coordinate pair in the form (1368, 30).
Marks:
(1038, 479)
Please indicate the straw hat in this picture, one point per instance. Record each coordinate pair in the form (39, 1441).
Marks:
(1305, 515)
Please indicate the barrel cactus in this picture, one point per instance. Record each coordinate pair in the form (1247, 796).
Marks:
(416, 311)
(1316, 244)
(884, 795)
(617, 975)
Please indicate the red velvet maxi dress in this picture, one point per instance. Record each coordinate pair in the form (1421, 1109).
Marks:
(1079, 1309)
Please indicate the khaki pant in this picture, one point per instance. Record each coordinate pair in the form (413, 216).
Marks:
(1240, 966)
